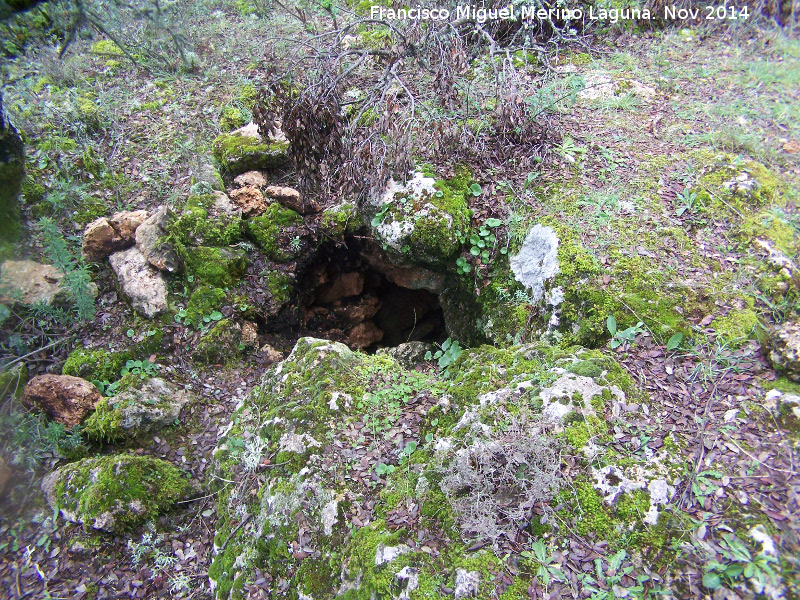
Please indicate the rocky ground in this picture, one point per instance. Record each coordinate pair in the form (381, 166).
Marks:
(621, 421)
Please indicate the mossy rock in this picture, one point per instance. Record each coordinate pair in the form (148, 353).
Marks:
(299, 417)
(275, 232)
(239, 153)
(219, 267)
(420, 221)
(204, 301)
(114, 493)
(220, 344)
(204, 223)
(100, 364)
(338, 220)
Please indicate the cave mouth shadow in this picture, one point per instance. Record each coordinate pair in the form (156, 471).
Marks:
(346, 297)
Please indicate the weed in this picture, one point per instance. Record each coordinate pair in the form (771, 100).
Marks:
(739, 564)
(626, 336)
(142, 368)
(448, 353)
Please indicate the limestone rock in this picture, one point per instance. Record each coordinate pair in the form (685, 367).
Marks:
(249, 334)
(291, 198)
(141, 282)
(104, 236)
(467, 584)
(537, 260)
(250, 199)
(271, 354)
(5, 475)
(149, 240)
(114, 493)
(149, 405)
(343, 286)
(364, 335)
(246, 150)
(783, 349)
(65, 398)
(27, 282)
(410, 354)
(255, 179)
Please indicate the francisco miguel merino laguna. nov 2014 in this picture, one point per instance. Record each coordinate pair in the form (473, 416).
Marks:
(481, 14)
(510, 12)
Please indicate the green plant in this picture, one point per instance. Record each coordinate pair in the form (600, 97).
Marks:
(448, 353)
(378, 218)
(143, 368)
(675, 341)
(571, 152)
(547, 568)
(76, 275)
(740, 564)
(626, 336)
(689, 201)
(29, 438)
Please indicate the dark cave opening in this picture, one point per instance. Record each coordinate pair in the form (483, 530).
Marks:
(350, 294)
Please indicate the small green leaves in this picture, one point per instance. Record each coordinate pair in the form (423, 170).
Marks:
(475, 189)
(712, 581)
(463, 267)
(384, 469)
(675, 341)
(378, 218)
(493, 222)
(611, 323)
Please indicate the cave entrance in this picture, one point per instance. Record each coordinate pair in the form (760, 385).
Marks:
(353, 294)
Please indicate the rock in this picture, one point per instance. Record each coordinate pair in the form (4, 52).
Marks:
(410, 354)
(205, 174)
(208, 220)
(271, 354)
(343, 286)
(141, 282)
(255, 179)
(147, 406)
(537, 260)
(783, 349)
(290, 198)
(249, 334)
(104, 236)
(781, 264)
(416, 222)
(246, 150)
(411, 277)
(467, 584)
(64, 398)
(280, 233)
(27, 282)
(364, 335)
(786, 408)
(5, 475)
(219, 344)
(114, 493)
(362, 309)
(149, 240)
(250, 200)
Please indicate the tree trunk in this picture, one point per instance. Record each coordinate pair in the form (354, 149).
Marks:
(12, 172)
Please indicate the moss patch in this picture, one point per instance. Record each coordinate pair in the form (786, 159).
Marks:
(219, 267)
(274, 232)
(116, 493)
(237, 153)
(201, 223)
(101, 365)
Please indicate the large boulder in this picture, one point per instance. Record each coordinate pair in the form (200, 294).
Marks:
(114, 493)
(64, 398)
(141, 282)
(783, 349)
(208, 220)
(363, 459)
(104, 236)
(144, 406)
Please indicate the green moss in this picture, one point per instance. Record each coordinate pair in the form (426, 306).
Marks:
(586, 368)
(13, 380)
(220, 344)
(280, 286)
(338, 220)
(219, 267)
(104, 424)
(133, 489)
(237, 153)
(632, 506)
(197, 224)
(203, 302)
(271, 232)
(101, 365)
(589, 508)
(737, 326)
